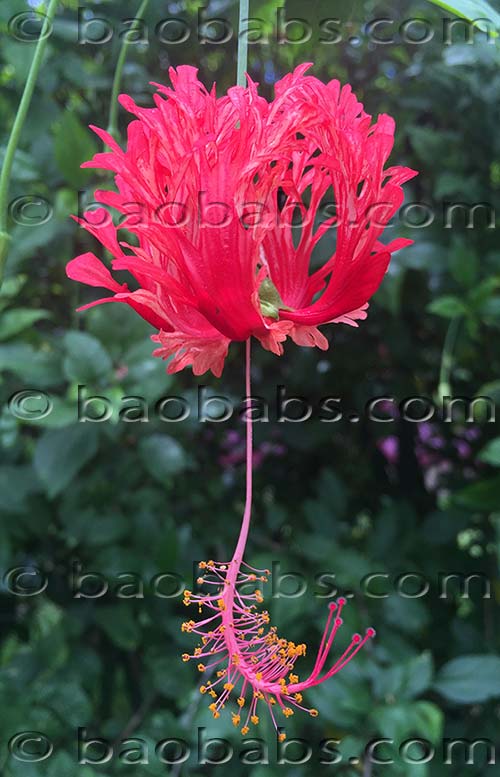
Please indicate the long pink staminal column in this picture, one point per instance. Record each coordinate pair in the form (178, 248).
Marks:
(246, 655)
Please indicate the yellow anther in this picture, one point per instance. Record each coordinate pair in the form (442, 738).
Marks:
(240, 701)
(281, 737)
(287, 712)
(201, 668)
(298, 697)
(254, 719)
(258, 676)
(245, 730)
(294, 678)
(221, 604)
(228, 686)
(212, 694)
(236, 719)
(203, 688)
(313, 713)
(185, 657)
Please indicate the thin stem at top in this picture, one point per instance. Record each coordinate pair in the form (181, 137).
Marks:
(243, 43)
(117, 80)
(16, 130)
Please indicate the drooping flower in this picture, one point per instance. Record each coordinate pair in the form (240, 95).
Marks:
(226, 199)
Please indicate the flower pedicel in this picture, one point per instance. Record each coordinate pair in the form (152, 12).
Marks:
(211, 188)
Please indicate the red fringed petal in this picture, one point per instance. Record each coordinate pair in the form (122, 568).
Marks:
(212, 189)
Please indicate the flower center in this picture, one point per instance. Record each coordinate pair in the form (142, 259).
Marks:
(270, 300)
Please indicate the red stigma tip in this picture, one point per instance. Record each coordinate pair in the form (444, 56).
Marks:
(370, 633)
(356, 638)
(332, 606)
(342, 601)
(338, 621)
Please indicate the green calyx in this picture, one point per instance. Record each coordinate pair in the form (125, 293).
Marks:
(270, 300)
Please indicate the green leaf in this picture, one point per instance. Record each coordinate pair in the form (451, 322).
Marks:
(14, 321)
(473, 10)
(470, 679)
(87, 360)
(41, 368)
(16, 485)
(67, 698)
(400, 721)
(344, 703)
(491, 308)
(24, 168)
(449, 183)
(427, 143)
(464, 264)
(447, 307)
(405, 681)
(162, 456)
(483, 495)
(28, 241)
(61, 453)
(120, 625)
(409, 615)
(491, 453)
(11, 288)
(481, 293)
(92, 527)
(73, 145)
(491, 390)
(429, 720)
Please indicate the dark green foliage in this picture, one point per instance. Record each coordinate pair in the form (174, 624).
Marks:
(136, 496)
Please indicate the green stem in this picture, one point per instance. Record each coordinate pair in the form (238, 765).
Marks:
(113, 107)
(243, 43)
(450, 340)
(15, 133)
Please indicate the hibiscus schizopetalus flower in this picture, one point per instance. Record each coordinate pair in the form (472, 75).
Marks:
(225, 198)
